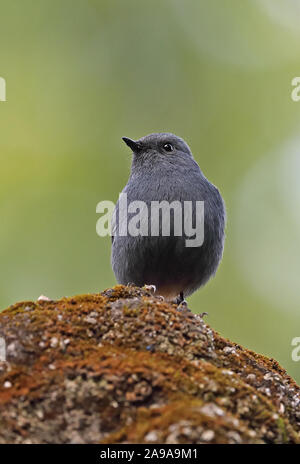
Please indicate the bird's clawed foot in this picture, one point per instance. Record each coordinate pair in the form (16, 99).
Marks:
(183, 306)
(150, 288)
(181, 303)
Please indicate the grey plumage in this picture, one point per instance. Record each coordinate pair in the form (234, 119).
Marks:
(159, 174)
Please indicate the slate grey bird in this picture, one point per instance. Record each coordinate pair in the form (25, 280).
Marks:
(163, 169)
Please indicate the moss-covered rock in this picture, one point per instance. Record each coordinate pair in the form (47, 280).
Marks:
(124, 366)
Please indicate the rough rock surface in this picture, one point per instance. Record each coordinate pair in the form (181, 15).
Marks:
(124, 366)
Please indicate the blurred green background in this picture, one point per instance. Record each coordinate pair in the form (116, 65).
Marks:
(82, 74)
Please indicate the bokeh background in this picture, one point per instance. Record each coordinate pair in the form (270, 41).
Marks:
(82, 73)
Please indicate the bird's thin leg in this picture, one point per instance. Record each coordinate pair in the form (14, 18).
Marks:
(181, 302)
(180, 298)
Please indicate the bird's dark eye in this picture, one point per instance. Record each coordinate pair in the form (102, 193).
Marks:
(168, 147)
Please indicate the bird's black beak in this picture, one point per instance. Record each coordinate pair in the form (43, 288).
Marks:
(135, 146)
